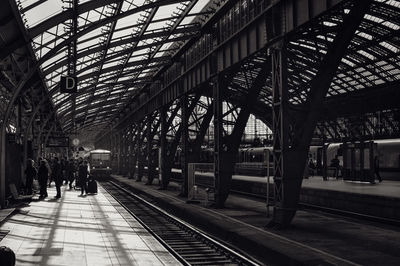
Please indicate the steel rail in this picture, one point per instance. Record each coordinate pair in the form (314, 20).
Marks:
(204, 241)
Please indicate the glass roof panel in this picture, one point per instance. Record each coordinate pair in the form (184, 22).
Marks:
(42, 11)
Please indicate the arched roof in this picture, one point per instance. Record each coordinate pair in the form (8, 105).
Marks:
(119, 45)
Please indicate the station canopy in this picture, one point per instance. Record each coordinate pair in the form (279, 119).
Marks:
(122, 44)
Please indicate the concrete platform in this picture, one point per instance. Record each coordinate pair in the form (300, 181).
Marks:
(380, 199)
(387, 188)
(314, 238)
(74, 230)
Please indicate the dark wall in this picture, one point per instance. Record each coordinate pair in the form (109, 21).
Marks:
(13, 163)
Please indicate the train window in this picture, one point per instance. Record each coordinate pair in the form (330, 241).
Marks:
(100, 156)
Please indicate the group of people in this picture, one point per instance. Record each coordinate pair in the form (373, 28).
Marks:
(59, 171)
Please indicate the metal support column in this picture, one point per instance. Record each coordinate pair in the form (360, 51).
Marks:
(324, 162)
(136, 137)
(123, 152)
(149, 146)
(132, 138)
(120, 152)
(280, 126)
(47, 136)
(185, 144)
(18, 137)
(163, 147)
(140, 156)
(218, 133)
(19, 120)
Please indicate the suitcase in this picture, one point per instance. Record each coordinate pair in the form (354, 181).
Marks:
(92, 186)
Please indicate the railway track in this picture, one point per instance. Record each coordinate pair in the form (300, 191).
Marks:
(312, 207)
(188, 244)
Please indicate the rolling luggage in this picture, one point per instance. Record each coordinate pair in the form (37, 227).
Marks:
(92, 186)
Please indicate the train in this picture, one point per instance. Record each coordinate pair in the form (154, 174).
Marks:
(100, 163)
(258, 161)
(387, 151)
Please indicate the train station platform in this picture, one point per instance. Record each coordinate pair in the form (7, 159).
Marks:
(379, 199)
(74, 230)
(313, 238)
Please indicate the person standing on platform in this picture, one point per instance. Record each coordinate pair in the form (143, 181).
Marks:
(71, 172)
(336, 164)
(57, 175)
(30, 173)
(82, 176)
(63, 164)
(311, 166)
(52, 163)
(42, 178)
(46, 163)
(377, 168)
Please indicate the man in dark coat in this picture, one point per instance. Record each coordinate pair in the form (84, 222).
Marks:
(42, 178)
(82, 176)
(30, 173)
(57, 174)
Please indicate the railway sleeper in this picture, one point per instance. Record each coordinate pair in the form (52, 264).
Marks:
(213, 261)
(213, 257)
(188, 240)
(175, 237)
(197, 255)
(180, 249)
(187, 245)
(197, 247)
(202, 250)
(205, 252)
(228, 262)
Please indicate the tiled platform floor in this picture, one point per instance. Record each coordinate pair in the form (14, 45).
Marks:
(74, 230)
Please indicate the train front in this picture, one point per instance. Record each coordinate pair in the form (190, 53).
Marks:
(100, 164)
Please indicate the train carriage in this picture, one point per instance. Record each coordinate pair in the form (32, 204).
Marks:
(100, 163)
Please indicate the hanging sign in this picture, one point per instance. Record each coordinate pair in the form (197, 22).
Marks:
(57, 142)
(68, 84)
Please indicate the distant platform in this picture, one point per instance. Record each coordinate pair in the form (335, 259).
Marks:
(92, 230)
(386, 188)
(379, 199)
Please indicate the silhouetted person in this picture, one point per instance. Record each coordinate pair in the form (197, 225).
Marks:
(64, 165)
(82, 176)
(43, 175)
(7, 256)
(30, 173)
(311, 167)
(51, 171)
(57, 175)
(336, 163)
(71, 172)
(377, 168)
